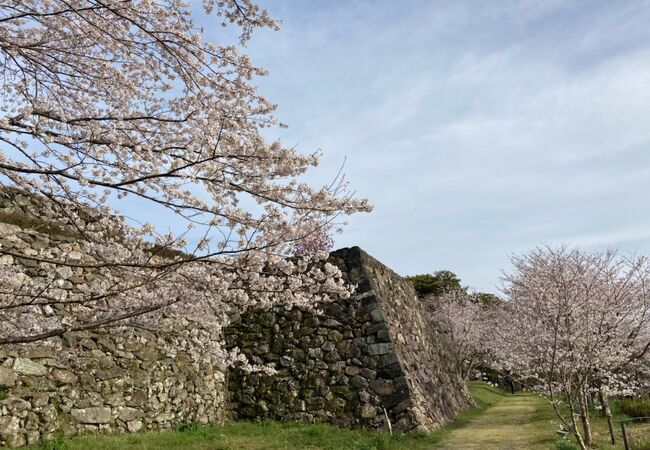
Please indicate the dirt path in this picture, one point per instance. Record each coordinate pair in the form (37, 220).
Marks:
(516, 422)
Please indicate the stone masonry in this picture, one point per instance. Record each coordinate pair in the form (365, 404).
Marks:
(358, 363)
(117, 381)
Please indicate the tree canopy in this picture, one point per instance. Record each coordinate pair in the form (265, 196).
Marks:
(435, 284)
(103, 101)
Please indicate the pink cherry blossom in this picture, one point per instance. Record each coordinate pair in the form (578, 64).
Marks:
(107, 100)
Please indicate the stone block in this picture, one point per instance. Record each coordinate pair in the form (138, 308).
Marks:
(381, 388)
(128, 414)
(134, 426)
(25, 366)
(10, 431)
(93, 415)
(368, 411)
(7, 377)
(387, 360)
(380, 348)
(378, 315)
(15, 404)
(358, 382)
(64, 376)
(163, 417)
(40, 353)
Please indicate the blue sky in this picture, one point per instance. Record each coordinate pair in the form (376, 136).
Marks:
(477, 129)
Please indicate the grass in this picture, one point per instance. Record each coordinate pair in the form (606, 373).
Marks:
(499, 420)
(634, 407)
(523, 421)
(638, 432)
(271, 435)
(250, 436)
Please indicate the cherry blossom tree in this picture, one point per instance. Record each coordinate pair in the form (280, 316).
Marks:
(104, 100)
(319, 241)
(575, 323)
(466, 324)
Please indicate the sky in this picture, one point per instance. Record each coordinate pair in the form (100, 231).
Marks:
(478, 130)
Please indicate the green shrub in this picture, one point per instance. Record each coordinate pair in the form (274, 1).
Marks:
(635, 407)
(188, 427)
(3, 393)
(57, 443)
(566, 445)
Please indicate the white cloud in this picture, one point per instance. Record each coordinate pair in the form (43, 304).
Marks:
(477, 129)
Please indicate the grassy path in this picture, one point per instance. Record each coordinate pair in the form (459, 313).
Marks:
(512, 422)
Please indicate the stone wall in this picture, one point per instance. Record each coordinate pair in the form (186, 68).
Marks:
(85, 382)
(361, 361)
(103, 382)
(357, 362)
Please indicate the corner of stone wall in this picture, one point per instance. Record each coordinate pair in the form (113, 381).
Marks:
(435, 393)
(362, 362)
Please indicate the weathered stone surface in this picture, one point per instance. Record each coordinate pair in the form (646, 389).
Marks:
(378, 315)
(64, 376)
(345, 365)
(15, 404)
(25, 366)
(134, 426)
(93, 415)
(356, 357)
(148, 354)
(10, 431)
(128, 414)
(382, 388)
(381, 348)
(40, 399)
(99, 381)
(368, 411)
(7, 377)
(138, 398)
(163, 417)
(40, 353)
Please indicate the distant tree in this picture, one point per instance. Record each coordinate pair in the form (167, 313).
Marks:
(435, 284)
(465, 323)
(487, 299)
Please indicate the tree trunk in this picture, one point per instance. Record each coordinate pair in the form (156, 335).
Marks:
(576, 433)
(584, 417)
(574, 426)
(590, 401)
(604, 402)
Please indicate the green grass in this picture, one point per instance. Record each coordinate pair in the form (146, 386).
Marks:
(638, 432)
(271, 435)
(520, 421)
(251, 436)
(499, 420)
(634, 407)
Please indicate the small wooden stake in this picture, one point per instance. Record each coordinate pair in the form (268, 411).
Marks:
(626, 442)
